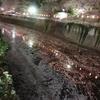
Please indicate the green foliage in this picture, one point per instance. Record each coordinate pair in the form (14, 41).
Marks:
(3, 47)
(6, 89)
(71, 11)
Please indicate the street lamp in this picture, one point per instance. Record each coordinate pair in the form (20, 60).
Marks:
(32, 10)
(63, 10)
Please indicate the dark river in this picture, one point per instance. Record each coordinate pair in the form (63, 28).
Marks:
(45, 68)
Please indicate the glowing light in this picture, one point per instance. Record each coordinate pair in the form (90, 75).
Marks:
(87, 16)
(80, 69)
(90, 74)
(82, 16)
(2, 9)
(96, 77)
(3, 30)
(93, 16)
(24, 14)
(68, 66)
(63, 9)
(81, 11)
(56, 52)
(30, 43)
(61, 15)
(13, 33)
(32, 10)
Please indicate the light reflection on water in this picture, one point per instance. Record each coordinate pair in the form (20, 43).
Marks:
(33, 38)
(14, 32)
(49, 48)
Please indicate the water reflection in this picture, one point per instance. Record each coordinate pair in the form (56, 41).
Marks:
(50, 46)
(79, 68)
(13, 32)
(3, 30)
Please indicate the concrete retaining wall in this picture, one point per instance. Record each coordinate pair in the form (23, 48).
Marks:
(53, 28)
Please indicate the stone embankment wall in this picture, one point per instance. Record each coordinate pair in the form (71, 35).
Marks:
(86, 35)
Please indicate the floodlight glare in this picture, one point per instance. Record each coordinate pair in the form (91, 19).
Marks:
(32, 10)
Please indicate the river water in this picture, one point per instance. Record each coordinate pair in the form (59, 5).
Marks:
(45, 68)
